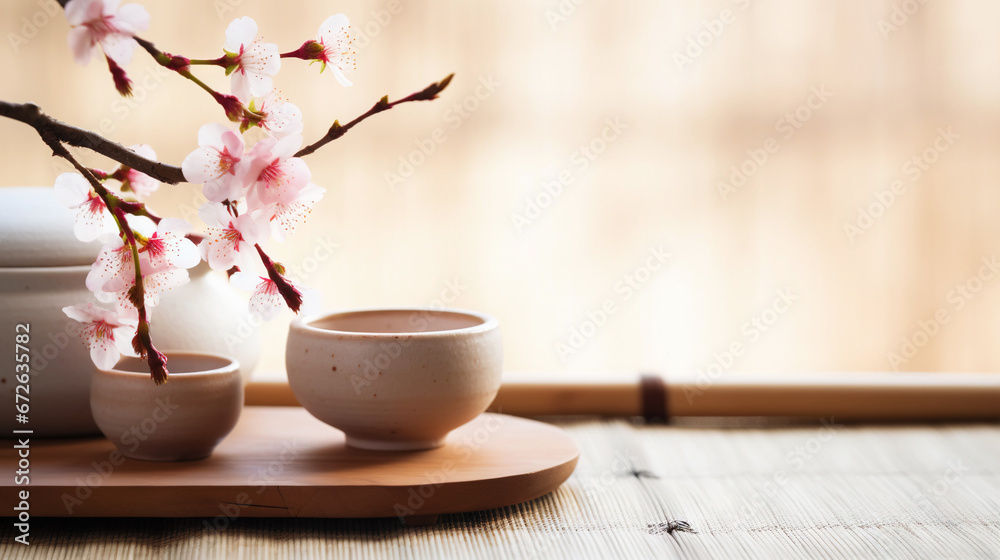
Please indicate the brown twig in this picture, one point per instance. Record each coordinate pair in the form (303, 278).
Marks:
(142, 343)
(235, 110)
(48, 127)
(337, 130)
(292, 297)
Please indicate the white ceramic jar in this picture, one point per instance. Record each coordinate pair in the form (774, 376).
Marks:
(43, 268)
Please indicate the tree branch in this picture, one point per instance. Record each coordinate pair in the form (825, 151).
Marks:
(50, 128)
(142, 343)
(337, 130)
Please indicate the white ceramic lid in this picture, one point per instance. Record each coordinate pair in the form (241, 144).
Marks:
(37, 230)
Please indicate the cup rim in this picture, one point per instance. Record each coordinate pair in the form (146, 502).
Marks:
(306, 323)
(232, 365)
(69, 269)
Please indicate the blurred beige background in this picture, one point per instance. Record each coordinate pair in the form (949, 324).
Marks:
(843, 94)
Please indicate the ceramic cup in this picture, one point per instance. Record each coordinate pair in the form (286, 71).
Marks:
(395, 379)
(183, 419)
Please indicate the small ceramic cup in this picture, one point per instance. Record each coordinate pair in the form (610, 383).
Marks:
(395, 379)
(183, 419)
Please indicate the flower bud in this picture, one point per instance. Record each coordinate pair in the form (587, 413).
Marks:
(232, 106)
(122, 82)
(312, 49)
(157, 365)
(177, 63)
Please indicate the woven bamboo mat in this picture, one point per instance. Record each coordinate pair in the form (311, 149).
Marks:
(688, 491)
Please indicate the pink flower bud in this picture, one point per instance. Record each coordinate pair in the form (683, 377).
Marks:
(177, 63)
(155, 359)
(310, 50)
(232, 106)
(122, 82)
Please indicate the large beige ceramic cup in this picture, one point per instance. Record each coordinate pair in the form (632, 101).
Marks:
(395, 379)
(183, 419)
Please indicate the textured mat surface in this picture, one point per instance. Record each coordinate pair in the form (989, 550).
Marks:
(688, 491)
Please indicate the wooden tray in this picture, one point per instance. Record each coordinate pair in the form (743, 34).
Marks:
(282, 462)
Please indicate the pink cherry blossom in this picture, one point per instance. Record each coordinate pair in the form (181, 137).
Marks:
(164, 256)
(113, 266)
(155, 282)
(265, 299)
(108, 335)
(229, 241)
(281, 118)
(140, 184)
(168, 247)
(273, 174)
(335, 37)
(254, 61)
(103, 22)
(284, 217)
(216, 163)
(93, 219)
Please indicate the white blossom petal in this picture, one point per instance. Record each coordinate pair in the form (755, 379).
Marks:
(241, 31)
(285, 217)
(72, 189)
(341, 78)
(133, 18)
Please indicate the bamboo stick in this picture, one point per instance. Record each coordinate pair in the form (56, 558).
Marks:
(844, 396)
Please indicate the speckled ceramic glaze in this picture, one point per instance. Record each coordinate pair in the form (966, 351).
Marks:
(183, 419)
(395, 379)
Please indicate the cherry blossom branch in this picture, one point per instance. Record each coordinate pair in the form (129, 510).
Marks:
(337, 130)
(235, 110)
(292, 297)
(221, 61)
(50, 128)
(142, 343)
